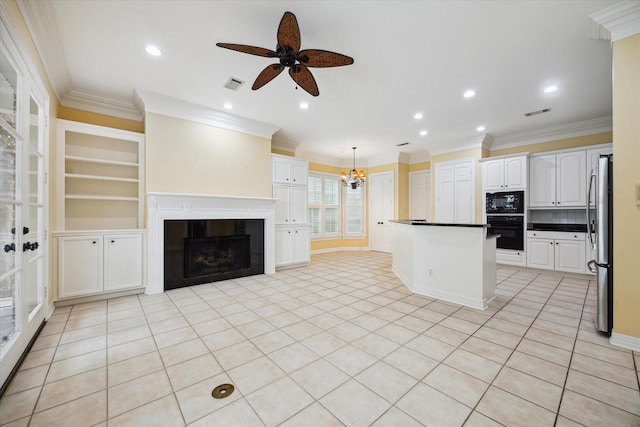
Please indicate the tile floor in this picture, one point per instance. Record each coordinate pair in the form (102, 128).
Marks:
(339, 342)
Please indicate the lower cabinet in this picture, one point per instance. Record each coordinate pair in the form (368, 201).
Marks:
(95, 263)
(560, 251)
(292, 246)
(510, 257)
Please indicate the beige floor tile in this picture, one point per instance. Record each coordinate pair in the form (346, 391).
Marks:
(604, 370)
(125, 314)
(397, 333)
(350, 359)
(555, 340)
(74, 413)
(46, 341)
(85, 322)
(354, 404)
(556, 328)
(77, 348)
(620, 357)
(166, 325)
(68, 389)
(411, 362)
(319, 378)
(222, 339)
(314, 415)
(348, 331)
(441, 411)
(293, 357)
(255, 374)
(255, 328)
(544, 351)
(587, 411)
(538, 368)
(128, 335)
(474, 365)
(395, 417)
(83, 333)
(278, 401)
(38, 358)
(621, 397)
(127, 323)
(323, 343)
(497, 337)
(369, 322)
(134, 367)
(283, 319)
(511, 410)
(196, 401)
(566, 422)
(28, 378)
(204, 329)
(386, 381)
(237, 354)
(178, 336)
(183, 351)
(486, 349)
(445, 334)
(137, 392)
(238, 413)
(506, 326)
(530, 388)
(476, 419)
(456, 384)
(77, 365)
(272, 341)
(18, 405)
(130, 349)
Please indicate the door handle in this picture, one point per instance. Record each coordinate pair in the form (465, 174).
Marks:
(592, 266)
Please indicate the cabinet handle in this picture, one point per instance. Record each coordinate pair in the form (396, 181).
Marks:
(575, 236)
(534, 234)
(551, 243)
(556, 243)
(558, 202)
(94, 242)
(9, 248)
(286, 220)
(294, 220)
(113, 241)
(553, 203)
(296, 231)
(289, 232)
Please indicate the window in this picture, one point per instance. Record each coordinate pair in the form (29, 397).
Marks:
(324, 205)
(354, 212)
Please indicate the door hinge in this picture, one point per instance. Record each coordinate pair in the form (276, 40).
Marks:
(45, 234)
(46, 291)
(46, 178)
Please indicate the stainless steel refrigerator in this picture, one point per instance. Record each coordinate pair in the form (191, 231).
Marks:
(600, 231)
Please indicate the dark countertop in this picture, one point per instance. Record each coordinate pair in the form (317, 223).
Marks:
(574, 228)
(437, 224)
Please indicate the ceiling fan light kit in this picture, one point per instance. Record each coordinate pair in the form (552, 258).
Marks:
(290, 56)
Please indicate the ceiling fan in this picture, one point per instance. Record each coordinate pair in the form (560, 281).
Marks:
(289, 55)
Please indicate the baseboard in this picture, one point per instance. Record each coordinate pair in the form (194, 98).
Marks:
(625, 341)
(340, 249)
(50, 308)
(98, 297)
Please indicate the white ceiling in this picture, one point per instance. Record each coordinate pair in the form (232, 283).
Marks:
(410, 56)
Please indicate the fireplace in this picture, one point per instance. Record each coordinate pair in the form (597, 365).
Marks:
(163, 208)
(203, 251)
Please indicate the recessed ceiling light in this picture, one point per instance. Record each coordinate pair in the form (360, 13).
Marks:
(417, 116)
(153, 51)
(228, 106)
(551, 88)
(480, 128)
(469, 93)
(423, 133)
(304, 106)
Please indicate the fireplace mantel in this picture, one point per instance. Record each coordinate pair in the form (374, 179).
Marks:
(168, 206)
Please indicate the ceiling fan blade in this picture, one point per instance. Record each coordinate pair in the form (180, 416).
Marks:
(268, 74)
(323, 58)
(251, 50)
(289, 32)
(301, 75)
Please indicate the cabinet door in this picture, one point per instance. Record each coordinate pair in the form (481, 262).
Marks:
(122, 261)
(444, 193)
(463, 193)
(515, 173)
(571, 184)
(298, 205)
(284, 247)
(493, 175)
(570, 256)
(301, 245)
(540, 253)
(542, 181)
(281, 193)
(281, 170)
(80, 266)
(299, 172)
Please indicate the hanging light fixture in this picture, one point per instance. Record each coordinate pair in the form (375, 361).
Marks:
(355, 179)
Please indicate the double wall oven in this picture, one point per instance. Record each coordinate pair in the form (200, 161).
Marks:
(505, 215)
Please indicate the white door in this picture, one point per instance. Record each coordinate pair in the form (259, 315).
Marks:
(445, 193)
(23, 268)
(380, 211)
(298, 205)
(420, 195)
(284, 246)
(464, 193)
(301, 249)
(80, 270)
(122, 261)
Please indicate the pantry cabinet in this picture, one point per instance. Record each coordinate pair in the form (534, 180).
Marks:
(559, 251)
(509, 173)
(455, 194)
(558, 180)
(292, 246)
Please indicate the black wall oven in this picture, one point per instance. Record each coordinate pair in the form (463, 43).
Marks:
(505, 202)
(511, 231)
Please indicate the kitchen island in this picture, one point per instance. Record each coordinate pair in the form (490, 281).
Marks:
(451, 262)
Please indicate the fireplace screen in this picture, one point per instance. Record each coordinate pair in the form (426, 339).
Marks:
(214, 255)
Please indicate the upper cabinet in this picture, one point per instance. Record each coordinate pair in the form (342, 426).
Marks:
(101, 182)
(455, 195)
(558, 180)
(593, 154)
(508, 173)
(287, 170)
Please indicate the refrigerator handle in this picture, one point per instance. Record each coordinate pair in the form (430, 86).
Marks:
(592, 266)
(590, 224)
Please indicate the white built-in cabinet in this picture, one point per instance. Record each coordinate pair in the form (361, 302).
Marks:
(509, 173)
(99, 238)
(558, 180)
(292, 230)
(553, 250)
(455, 192)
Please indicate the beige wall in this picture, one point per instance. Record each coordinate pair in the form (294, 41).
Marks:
(626, 175)
(99, 119)
(193, 158)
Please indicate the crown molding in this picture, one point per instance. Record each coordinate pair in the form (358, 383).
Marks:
(86, 101)
(284, 145)
(555, 133)
(150, 102)
(40, 20)
(420, 157)
(481, 141)
(616, 22)
(386, 159)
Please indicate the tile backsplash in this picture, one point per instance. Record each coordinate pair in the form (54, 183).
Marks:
(558, 216)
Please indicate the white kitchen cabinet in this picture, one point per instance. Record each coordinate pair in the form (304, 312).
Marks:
(558, 180)
(90, 264)
(555, 250)
(292, 246)
(455, 192)
(287, 170)
(291, 204)
(593, 154)
(511, 257)
(508, 173)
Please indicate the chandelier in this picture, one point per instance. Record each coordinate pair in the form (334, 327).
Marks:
(355, 179)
